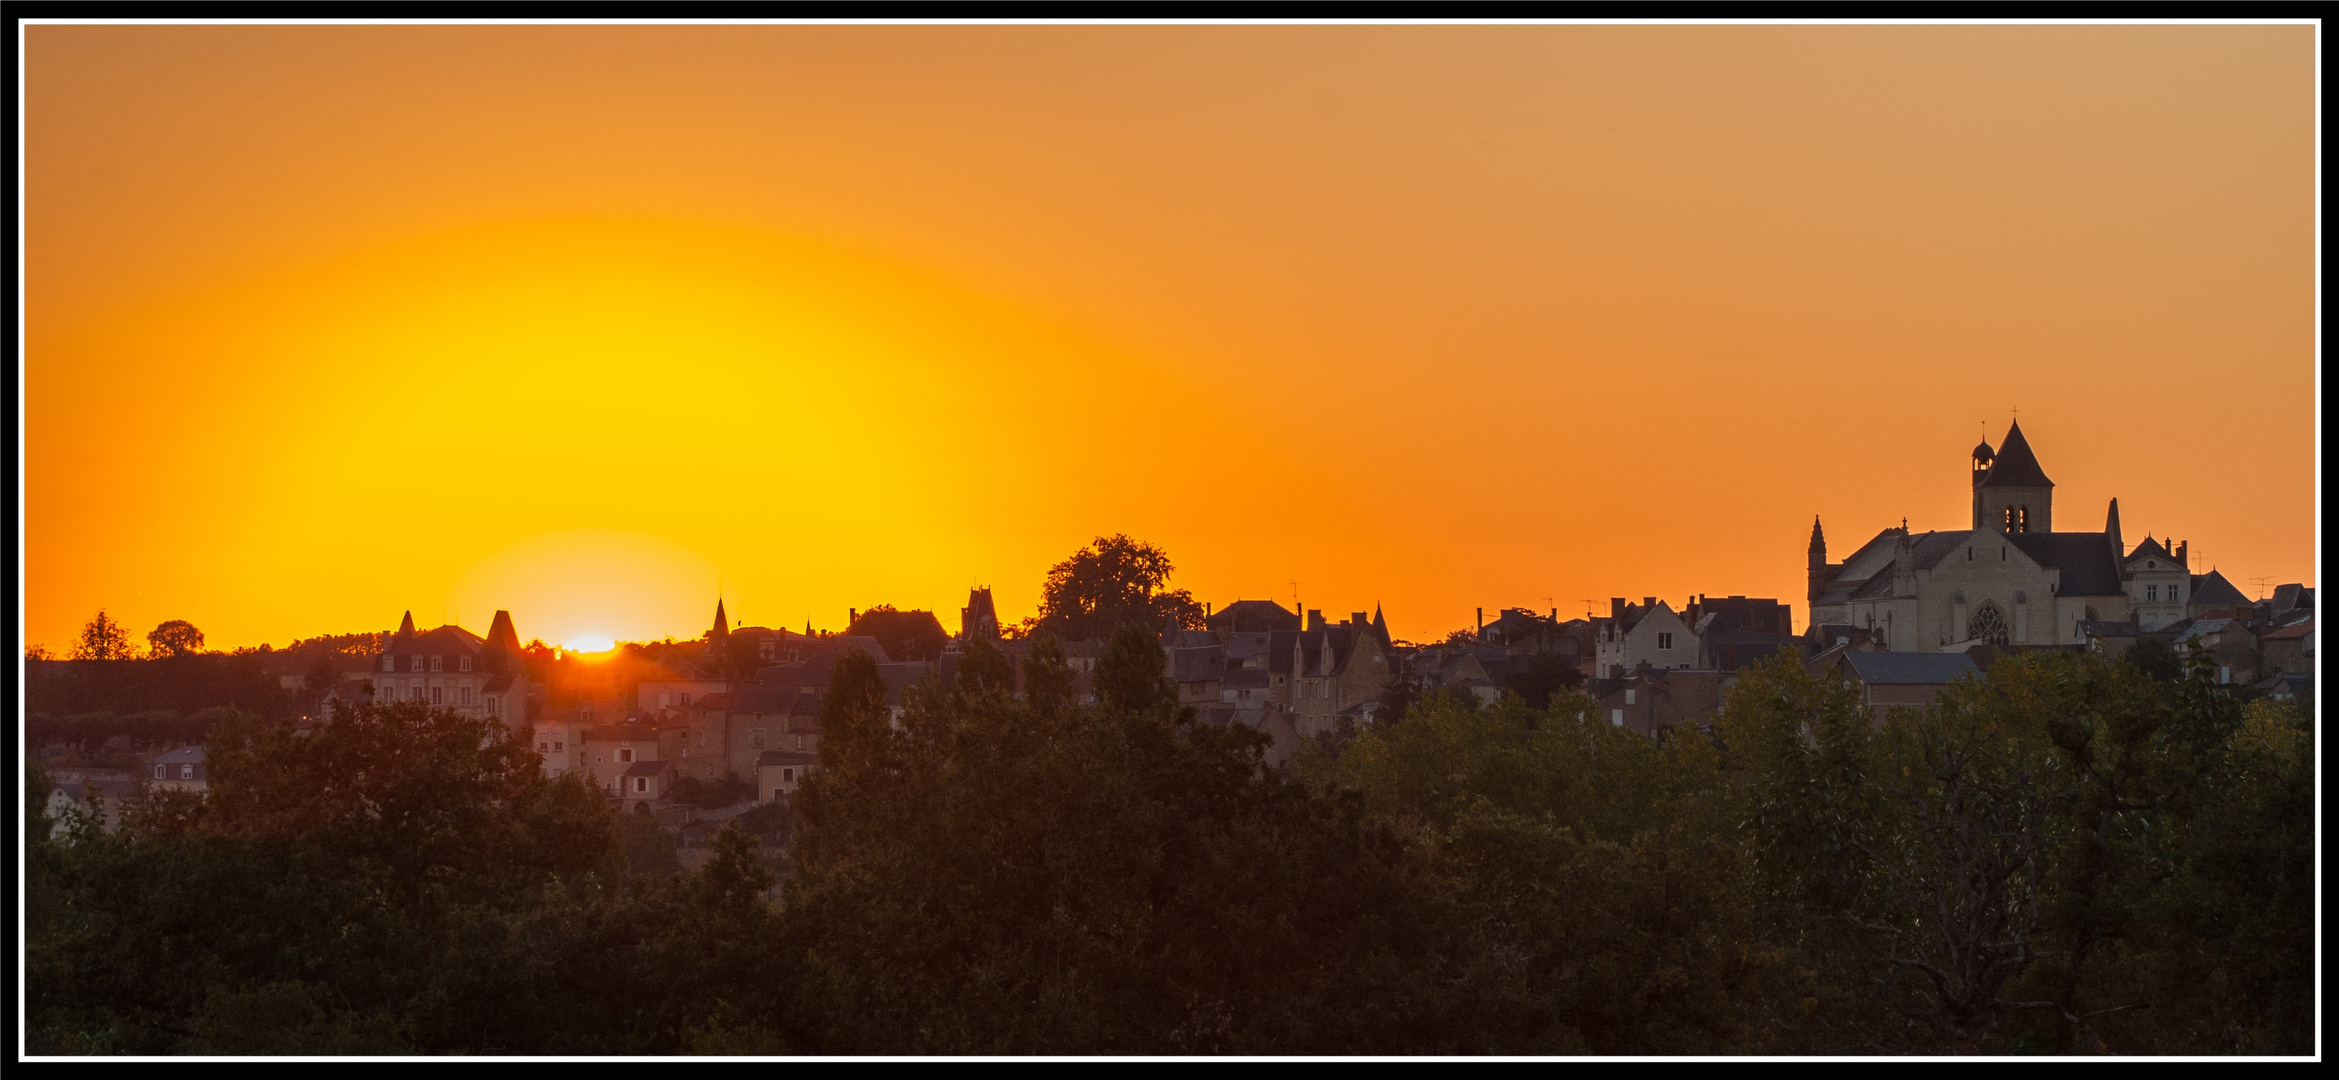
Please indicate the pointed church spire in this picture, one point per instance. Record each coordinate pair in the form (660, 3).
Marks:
(406, 626)
(2111, 529)
(1380, 625)
(1818, 538)
(722, 625)
(2015, 465)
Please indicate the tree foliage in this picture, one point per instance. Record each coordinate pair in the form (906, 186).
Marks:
(2068, 856)
(102, 639)
(1113, 581)
(178, 637)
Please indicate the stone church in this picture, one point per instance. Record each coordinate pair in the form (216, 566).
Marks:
(2010, 579)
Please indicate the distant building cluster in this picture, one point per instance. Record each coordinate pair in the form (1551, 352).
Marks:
(1901, 616)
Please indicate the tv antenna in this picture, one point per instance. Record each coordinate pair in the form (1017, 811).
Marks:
(1589, 608)
(2260, 582)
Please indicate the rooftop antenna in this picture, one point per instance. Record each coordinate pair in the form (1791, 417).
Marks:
(1589, 608)
(2260, 582)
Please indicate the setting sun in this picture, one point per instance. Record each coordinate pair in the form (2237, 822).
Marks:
(589, 645)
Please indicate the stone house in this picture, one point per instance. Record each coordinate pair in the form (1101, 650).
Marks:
(451, 667)
(609, 751)
(1889, 680)
(177, 770)
(2288, 650)
(778, 773)
(109, 796)
(645, 783)
(1338, 668)
(1649, 632)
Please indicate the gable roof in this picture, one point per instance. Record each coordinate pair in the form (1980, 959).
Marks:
(2015, 465)
(2084, 558)
(2212, 588)
(1910, 669)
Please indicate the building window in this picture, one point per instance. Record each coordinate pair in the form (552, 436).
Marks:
(1628, 696)
(162, 772)
(2152, 592)
(542, 746)
(463, 663)
(641, 785)
(438, 663)
(389, 663)
(466, 695)
(755, 739)
(187, 772)
(787, 776)
(685, 696)
(1616, 717)
(767, 650)
(624, 755)
(492, 710)
(686, 752)
(416, 665)
(799, 742)
(585, 714)
(1664, 641)
(435, 693)
(557, 747)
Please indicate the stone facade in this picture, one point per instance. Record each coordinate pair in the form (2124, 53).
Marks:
(2009, 579)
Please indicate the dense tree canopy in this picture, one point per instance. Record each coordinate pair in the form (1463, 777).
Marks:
(178, 637)
(2069, 856)
(1113, 581)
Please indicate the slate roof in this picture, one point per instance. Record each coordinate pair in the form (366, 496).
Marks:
(1254, 615)
(2014, 465)
(182, 756)
(2152, 549)
(786, 757)
(647, 768)
(2212, 588)
(2084, 558)
(1910, 669)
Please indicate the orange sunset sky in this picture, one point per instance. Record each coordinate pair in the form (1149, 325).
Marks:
(328, 323)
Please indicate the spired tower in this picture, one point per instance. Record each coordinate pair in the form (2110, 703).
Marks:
(2011, 493)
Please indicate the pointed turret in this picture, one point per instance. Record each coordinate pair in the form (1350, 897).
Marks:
(406, 627)
(1817, 560)
(1380, 625)
(2111, 530)
(722, 625)
(502, 651)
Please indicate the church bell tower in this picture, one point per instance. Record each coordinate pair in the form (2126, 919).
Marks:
(2011, 493)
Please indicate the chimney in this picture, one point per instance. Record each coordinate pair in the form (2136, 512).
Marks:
(1648, 603)
(1315, 618)
(1616, 608)
(1481, 622)
(852, 615)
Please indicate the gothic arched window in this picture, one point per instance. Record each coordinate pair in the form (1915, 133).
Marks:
(2022, 519)
(1988, 624)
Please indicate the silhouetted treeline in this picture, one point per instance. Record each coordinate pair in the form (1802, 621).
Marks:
(182, 684)
(2069, 857)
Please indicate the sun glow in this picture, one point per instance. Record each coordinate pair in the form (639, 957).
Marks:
(589, 644)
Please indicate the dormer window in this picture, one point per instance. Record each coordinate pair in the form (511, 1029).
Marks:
(438, 663)
(389, 663)
(416, 665)
(463, 663)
